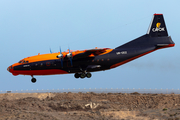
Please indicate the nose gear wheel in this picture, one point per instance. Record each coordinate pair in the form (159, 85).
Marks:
(33, 80)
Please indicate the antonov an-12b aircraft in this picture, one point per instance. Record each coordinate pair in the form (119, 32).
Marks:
(83, 62)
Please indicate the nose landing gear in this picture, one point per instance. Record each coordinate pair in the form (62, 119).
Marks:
(82, 75)
(33, 80)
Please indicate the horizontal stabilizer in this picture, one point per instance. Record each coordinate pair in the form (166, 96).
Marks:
(162, 45)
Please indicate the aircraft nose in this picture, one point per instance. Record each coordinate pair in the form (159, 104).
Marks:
(9, 68)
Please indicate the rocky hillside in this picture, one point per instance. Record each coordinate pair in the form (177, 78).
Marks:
(89, 106)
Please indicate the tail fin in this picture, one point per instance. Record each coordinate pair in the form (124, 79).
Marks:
(156, 37)
(157, 27)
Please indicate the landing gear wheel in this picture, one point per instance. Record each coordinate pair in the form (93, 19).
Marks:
(33, 80)
(83, 75)
(77, 75)
(88, 75)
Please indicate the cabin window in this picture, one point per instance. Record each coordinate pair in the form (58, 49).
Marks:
(48, 64)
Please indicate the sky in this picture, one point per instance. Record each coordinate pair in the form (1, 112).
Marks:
(31, 27)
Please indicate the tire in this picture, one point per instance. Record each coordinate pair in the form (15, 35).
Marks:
(88, 75)
(33, 80)
(76, 75)
(83, 75)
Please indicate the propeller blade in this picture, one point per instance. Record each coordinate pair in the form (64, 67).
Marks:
(71, 61)
(50, 50)
(69, 50)
(60, 49)
(61, 62)
(61, 57)
(70, 58)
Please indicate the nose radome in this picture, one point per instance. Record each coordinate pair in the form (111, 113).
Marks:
(9, 68)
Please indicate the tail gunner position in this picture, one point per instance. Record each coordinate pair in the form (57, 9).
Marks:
(82, 62)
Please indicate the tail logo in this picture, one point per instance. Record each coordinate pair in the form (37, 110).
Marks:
(158, 27)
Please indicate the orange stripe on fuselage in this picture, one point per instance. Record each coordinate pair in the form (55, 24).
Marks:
(44, 57)
(52, 56)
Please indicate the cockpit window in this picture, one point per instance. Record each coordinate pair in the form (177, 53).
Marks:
(23, 61)
(20, 61)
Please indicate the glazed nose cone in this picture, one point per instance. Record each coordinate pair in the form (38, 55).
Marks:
(10, 68)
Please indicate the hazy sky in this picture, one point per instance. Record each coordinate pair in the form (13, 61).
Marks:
(31, 27)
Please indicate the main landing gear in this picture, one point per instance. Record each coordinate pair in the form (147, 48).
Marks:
(82, 75)
(33, 80)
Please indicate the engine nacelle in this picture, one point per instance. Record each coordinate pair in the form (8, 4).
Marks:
(69, 55)
(60, 56)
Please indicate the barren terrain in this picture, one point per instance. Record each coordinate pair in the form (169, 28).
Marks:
(89, 106)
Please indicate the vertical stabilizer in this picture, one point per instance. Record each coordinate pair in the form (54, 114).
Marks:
(157, 27)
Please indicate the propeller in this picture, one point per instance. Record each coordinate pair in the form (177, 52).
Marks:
(50, 50)
(69, 55)
(61, 57)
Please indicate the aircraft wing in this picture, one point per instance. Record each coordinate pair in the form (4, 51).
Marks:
(95, 52)
(90, 53)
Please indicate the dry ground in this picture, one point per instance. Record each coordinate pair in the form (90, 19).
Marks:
(89, 106)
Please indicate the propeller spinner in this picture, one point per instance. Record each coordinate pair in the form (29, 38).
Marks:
(61, 57)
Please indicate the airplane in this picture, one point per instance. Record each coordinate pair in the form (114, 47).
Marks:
(83, 62)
